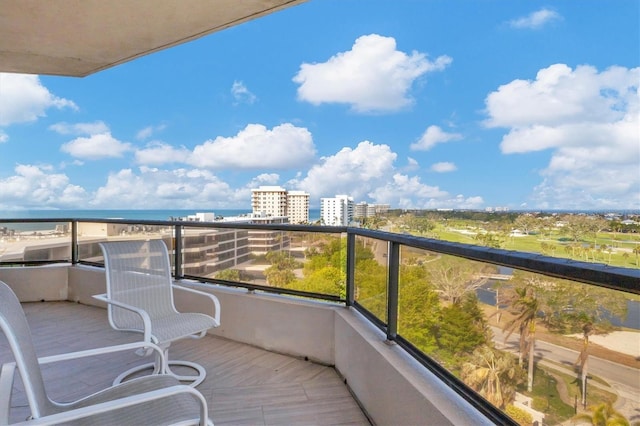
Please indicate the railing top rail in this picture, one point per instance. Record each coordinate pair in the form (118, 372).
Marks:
(616, 278)
(37, 220)
(222, 225)
(613, 277)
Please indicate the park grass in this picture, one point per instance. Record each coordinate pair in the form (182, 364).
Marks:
(547, 397)
(558, 395)
(624, 243)
(595, 395)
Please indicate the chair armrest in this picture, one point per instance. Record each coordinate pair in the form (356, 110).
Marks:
(96, 409)
(214, 300)
(6, 385)
(146, 320)
(101, 351)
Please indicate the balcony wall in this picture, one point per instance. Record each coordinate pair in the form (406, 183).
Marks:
(34, 284)
(391, 387)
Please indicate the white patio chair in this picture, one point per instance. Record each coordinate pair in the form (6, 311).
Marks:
(149, 400)
(140, 299)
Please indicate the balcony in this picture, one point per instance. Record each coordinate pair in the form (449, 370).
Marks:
(358, 352)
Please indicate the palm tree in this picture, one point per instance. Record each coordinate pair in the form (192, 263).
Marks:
(526, 306)
(493, 374)
(603, 415)
(636, 250)
(582, 361)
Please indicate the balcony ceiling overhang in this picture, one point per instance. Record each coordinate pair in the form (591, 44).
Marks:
(80, 37)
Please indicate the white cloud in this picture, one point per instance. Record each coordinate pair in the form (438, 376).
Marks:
(23, 98)
(368, 172)
(96, 147)
(3, 137)
(156, 153)
(149, 131)
(560, 95)
(157, 188)
(405, 192)
(350, 171)
(444, 167)
(256, 147)
(412, 165)
(37, 187)
(590, 121)
(241, 94)
(80, 128)
(409, 193)
(536, 19)
(371, 77)
(264, 179)
(432, 136)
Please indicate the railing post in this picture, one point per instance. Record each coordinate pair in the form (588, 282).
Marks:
(392, 303)
(74, 242)
(177, 251)
(351, 267)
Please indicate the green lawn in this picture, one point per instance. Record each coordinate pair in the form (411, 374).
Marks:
(555, 394)
(624, 243)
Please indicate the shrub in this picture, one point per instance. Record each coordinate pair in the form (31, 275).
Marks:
(519, 415)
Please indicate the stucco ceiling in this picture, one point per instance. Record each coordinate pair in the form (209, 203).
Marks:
(81, 37)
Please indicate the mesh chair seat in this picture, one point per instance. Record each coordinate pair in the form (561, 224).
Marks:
(176, 326)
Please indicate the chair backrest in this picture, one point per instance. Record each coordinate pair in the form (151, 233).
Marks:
(15, 327)
(138, 273)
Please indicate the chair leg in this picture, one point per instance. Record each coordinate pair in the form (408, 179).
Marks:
(158, 368)
(194, 380)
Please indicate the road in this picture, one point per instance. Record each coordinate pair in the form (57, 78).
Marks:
(624, 380)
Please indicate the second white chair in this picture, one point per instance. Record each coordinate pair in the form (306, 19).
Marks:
(140, 299)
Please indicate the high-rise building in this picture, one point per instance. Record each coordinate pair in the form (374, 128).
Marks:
(298, 206)
(360, 210)
(336, 211)
(364, 210)
(277, 201)
(269, 200)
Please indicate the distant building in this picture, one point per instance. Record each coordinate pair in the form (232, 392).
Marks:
(364, 209)
(209, 250)
(277, 201)
(337, 211)
(496, 209)
(381, 208)
(361, 210)
(298, 206)
(270, 200)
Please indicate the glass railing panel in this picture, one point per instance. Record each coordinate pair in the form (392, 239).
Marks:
(312, 262)
(215, 253)
(35, 241)
(537, 347)
(92, 233)
(318, 261)
(370, 276)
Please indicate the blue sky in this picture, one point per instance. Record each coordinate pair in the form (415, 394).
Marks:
(413, 103)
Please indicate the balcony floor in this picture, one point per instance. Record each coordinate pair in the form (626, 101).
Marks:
(244, 385)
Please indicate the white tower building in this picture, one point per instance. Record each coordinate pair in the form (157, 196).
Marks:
(336, 211)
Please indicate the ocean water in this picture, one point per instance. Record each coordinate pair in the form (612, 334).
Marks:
(314, 214)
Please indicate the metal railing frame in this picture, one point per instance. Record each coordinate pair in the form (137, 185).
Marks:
(615, 278)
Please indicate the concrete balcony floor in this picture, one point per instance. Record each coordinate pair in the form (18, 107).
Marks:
(244, 385)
